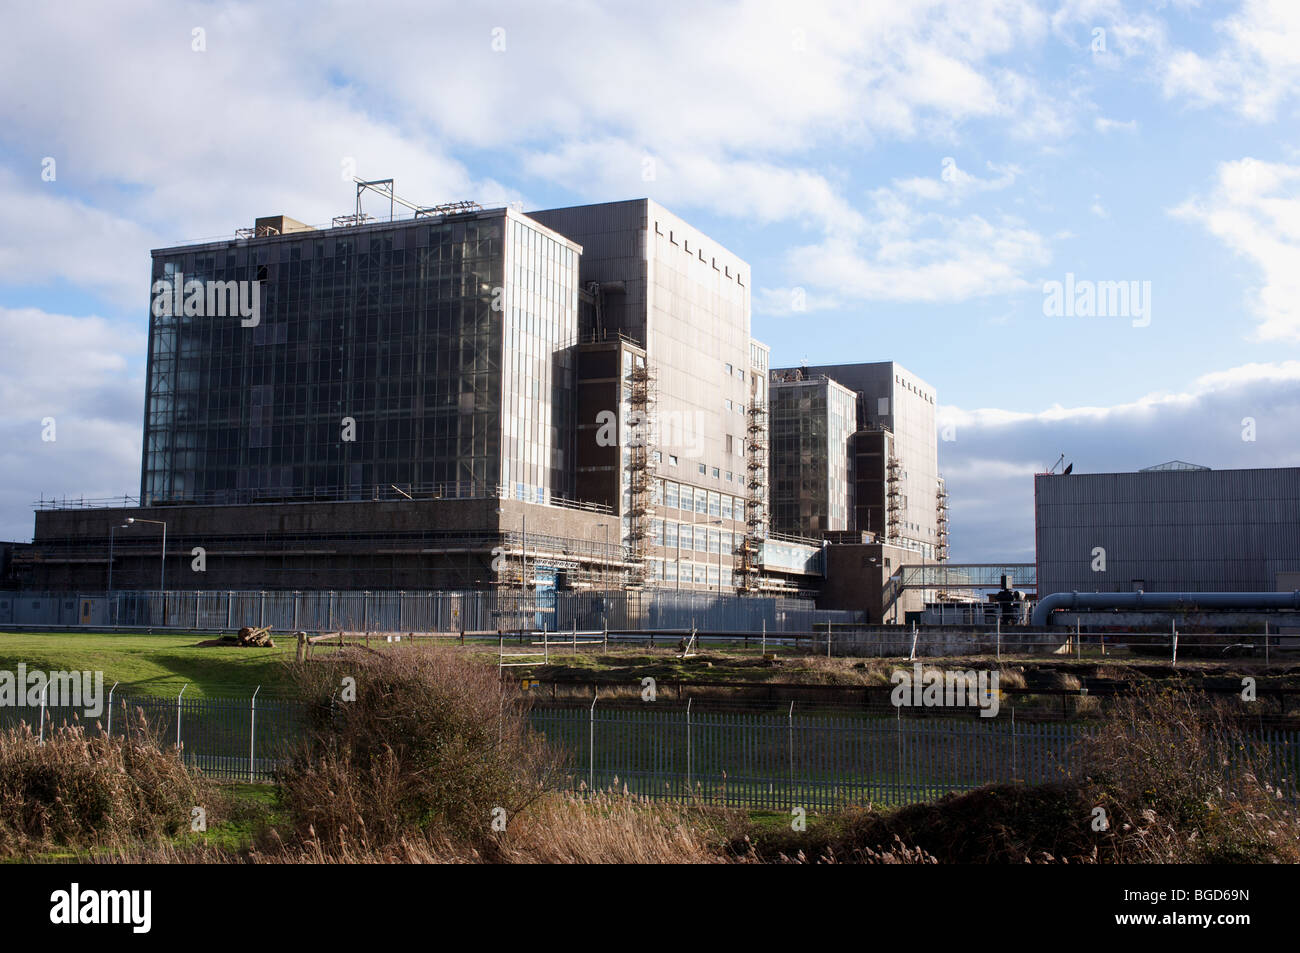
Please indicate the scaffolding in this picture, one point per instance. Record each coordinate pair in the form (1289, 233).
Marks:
(893, 498)
(751, 550)
(941, 522)
(639, 392)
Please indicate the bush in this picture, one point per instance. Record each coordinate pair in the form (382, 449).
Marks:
(1181, 781)
(81, 790)
(430, 747)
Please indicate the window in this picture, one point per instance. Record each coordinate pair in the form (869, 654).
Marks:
(688, 498)
(730, 406)
(670, 493)
(729, 369)
(703, 470)
(714, 504)
(701, 501)
(728, 476)
(658, 457)
(701, 539)
(685, 537)
(670, 535)
(716, 473)
(729, 445)
(726, 503)
(672, 460)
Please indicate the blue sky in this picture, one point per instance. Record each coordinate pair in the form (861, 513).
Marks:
(903, 178)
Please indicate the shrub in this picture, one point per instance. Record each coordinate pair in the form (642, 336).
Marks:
(431, 746)
(81, 790)
(1182, 781)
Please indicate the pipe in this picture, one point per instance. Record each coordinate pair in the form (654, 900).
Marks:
(1162, 600)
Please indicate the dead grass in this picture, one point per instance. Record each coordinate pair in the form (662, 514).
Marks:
(81, 790)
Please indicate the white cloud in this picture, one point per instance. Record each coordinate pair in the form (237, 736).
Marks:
(759, 192)
(989, 467)
(1104, 125)
(81, 372)
(955, 183)
(1256, 71)
(906, 255)
(1254, 209)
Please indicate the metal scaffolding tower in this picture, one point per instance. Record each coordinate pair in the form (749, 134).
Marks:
(638, 461)
(751, 550)
(941, 522)
(893, 498)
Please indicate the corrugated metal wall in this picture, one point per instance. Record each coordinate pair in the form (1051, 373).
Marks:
(1174, 531)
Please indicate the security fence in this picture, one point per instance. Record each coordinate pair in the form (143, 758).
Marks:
(431, 611)
(231, 739)
(777, 760)
(817, 761)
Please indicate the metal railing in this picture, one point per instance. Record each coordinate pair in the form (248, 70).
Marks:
(231, 739)
(816, 760)
(413, 611)
(361, 493)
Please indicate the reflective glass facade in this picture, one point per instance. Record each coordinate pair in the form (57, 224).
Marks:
(810, 468)
(432, 354)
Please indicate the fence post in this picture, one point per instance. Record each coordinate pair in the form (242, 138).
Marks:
(1266, 645)
(110, 709)
(912, 657)
(252, 723)
(575, 635)
(178, 714)
(790, 748)
(1173, 625)
(261, 612)
(998, 619)
(230, 607)
(1013, 742)
(1078, 636)
(689, 750)
(591, 746)
(197, 598)
(44, 690)
(764, 636)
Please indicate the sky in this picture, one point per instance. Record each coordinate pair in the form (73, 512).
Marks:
(924, 181)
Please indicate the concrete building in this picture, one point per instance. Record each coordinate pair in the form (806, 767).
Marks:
(431, 355)
(812, 464)
(419, 402)
(894, 465)
(694, 391)
(1172, 528)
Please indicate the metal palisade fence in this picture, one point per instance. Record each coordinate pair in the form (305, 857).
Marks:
(410, 611)
(814, 760)
(775, 760)
(231, 739)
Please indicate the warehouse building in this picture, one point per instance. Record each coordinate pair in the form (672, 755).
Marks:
(1176, 527)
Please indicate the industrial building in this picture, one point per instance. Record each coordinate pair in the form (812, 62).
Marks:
(1170, 528)
(466, 398)
(890, 473)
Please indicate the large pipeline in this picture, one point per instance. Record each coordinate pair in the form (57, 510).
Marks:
(1162, 600)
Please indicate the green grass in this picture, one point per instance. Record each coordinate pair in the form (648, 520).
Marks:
(153, 664)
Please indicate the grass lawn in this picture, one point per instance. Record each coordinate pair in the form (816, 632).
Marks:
(152, 664)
